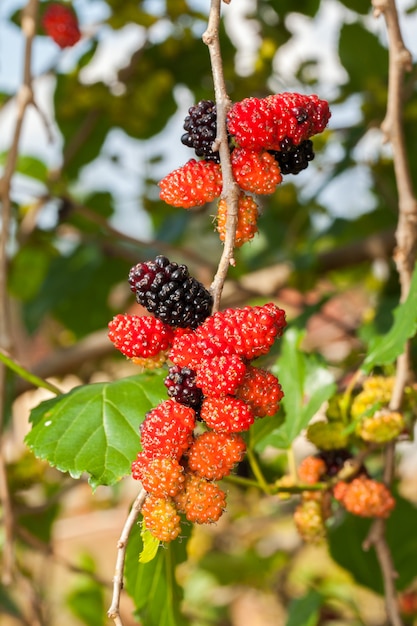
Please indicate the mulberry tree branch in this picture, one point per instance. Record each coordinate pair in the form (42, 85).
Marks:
(405, 259)
(23, 100)
(114, 610)
(230, 192)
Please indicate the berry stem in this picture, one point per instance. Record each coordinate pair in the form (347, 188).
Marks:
(230, 192)
(299, 488)
(23, 101)
(276, 488)
(258, 472)
(292, 466)
(240, 480)
(114, 610)
(400, 61)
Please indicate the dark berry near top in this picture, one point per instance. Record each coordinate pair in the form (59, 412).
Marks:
(201, 127)
(293, 159)
(168, 291)
(180, 384)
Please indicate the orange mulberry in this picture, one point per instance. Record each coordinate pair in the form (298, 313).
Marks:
(311, 469)
(247, 218)
(161, 518)
(160, 476)
(202, 501)
(365, 497)
(193, 184)
(213, 455)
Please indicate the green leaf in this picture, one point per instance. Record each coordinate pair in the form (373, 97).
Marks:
(28, 270)
(124, 12)
(29, 166)
(32, 167)
(86, 598)
(152, 586)
(357, 5)
(386, 348)
(86, 602)
(306, 382)
(368, 71)
(262, 428)
(346, 539)
(85, 276)
(94, 428)
(39, 522)
(306, 7)
(305, 611)
(150, 546)
(345, 542)
(81, 120)
(246, 566)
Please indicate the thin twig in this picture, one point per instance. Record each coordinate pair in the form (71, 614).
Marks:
(48, 551)
(392, 127)
(230, 192)
(8, 524)
(405, 257)
(31, 378)
(24, 99)
(92, 216)
(376, 537)
(114, 610)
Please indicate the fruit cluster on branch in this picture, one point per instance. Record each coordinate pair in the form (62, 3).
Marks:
(351, 425)
(193, 439)
(268, 138)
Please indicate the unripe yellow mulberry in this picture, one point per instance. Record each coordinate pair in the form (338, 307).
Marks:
(328, 435)
(381, 427)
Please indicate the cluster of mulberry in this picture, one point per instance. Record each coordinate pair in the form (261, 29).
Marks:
(367, 420)
(268, 137)
(193, 439)
(177, 301)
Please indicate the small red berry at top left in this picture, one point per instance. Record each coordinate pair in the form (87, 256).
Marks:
(61, 24)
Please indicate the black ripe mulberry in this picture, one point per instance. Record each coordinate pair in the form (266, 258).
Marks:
(334, 460)
(293, 159)
(168, 291)
(201, 127)
(180, 384)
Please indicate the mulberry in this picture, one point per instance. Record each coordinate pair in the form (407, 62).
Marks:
(167, 290)
(167, 430)
(247, 218)
(262, 124)
(193, 184)
(213, 455)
